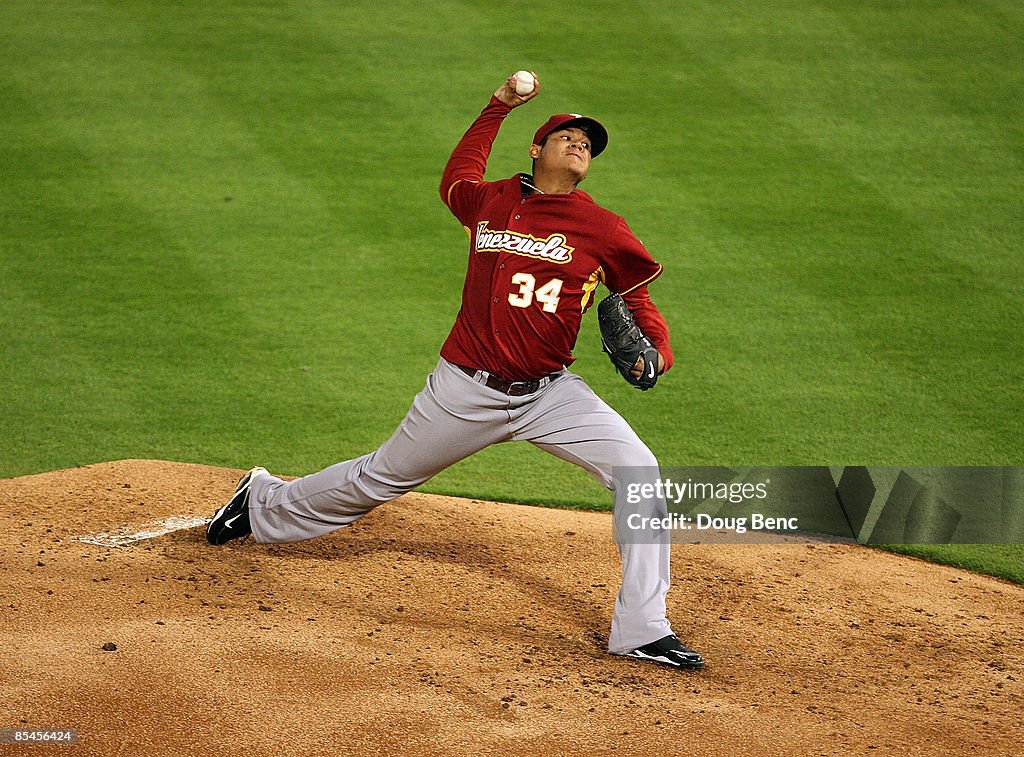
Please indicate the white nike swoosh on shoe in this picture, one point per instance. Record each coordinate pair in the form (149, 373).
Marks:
(656, 658)
(229, 521)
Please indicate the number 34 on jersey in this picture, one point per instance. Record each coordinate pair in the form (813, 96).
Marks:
(545, 295)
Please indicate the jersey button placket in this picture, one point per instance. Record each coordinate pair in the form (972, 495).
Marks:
(498, 288)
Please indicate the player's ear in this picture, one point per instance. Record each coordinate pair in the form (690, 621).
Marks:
(534, 151)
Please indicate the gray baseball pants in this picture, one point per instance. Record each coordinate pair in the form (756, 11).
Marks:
(454, 416)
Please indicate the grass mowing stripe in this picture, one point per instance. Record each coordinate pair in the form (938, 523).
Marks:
(927, 285)
(277, 258)
(100, 305)
(124, 288)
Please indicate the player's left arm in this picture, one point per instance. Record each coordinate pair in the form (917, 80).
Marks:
(630, 271)
(652, 323)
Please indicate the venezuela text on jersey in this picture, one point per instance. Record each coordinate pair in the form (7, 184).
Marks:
(551, 248)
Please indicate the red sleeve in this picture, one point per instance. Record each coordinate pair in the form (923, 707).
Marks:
(628, 265)
(461, 182)
(650, 321)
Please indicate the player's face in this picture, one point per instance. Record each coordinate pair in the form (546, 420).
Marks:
(564, 151)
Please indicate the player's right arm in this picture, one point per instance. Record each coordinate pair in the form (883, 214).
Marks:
(460, 183)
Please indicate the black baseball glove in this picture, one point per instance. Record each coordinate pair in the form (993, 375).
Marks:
(625, 343)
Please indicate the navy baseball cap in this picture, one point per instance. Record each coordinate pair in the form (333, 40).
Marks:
(597, 133)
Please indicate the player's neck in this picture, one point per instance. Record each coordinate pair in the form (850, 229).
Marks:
(556, 184)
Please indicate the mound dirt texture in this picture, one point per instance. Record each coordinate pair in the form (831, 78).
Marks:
(447, 626)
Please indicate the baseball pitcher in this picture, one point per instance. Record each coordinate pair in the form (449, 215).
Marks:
(538, 249)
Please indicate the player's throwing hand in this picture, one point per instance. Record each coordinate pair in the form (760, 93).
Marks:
(508, 92)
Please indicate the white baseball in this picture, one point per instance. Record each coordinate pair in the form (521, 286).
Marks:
(525, 83)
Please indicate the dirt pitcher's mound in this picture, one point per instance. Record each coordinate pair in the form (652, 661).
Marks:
(440, 625)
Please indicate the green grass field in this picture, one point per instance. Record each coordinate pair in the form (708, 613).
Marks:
(222, 242)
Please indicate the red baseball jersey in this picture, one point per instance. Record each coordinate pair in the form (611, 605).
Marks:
(534, 263)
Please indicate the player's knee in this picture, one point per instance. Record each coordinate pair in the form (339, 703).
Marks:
(388, 492)
(637, 455)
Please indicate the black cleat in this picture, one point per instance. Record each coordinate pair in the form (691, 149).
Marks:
(232, 520)
(670, 652)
